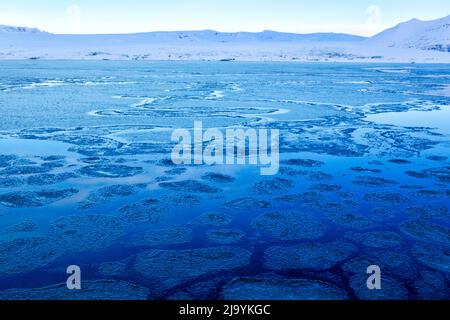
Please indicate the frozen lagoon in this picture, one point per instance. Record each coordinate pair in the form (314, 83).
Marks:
(85, 179)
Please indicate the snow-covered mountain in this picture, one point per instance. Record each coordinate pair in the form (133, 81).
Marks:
(417, 34)
(9, 29)
(413, 41)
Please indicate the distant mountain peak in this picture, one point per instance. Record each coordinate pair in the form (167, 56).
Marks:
(12, 29)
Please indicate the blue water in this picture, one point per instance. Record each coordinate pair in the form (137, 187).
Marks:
(84, 180)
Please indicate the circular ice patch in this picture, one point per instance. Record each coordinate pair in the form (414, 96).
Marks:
(289, 225)
(87, 233)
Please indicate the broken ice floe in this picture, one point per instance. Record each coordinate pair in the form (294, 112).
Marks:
(161, 237)
(27, 253)
(248, 204)
(350, 220)
(49, 179)
(87, 232)
(189, 186)
(426, 230)
(92, 290)
(214, 219)
(306, 163)
(376, 239)
(428, 212)
(169, 268)
(24, 199)
(435, 256)
(289, 226)
(260, 288)
(146, 211)
(109, 193)
(318, 256)
(373, 182)
(217, 178)
(390, 198)
(274, 186)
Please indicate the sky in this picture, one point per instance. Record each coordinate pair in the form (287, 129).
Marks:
(362, 17)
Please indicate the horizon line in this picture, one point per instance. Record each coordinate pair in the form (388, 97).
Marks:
(382, 29)
(190, 30)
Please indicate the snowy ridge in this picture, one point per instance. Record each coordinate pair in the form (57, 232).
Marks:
(412, 41)
(416, 34)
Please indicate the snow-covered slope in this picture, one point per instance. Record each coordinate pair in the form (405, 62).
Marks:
(404, 43)
(416, 34)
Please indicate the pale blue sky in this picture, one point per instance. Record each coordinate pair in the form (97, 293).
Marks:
(363, 17)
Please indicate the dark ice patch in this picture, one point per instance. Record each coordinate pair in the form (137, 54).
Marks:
(365, 170)
(439, 174)
(183, 200)
(49, 179)
(190, 186)
(170, 268)
(428, 212)
(289, 226)
(92, 290)
(53, 158)
(87, 233)
(147, 211)
(431, 285)
(325, 187)
(259, 288)
(318, 176)
(426, 230)
(306, 163)
(11, 182)
(434, 256)
(382, 214)
(415, 174)
(26, 254)
(110, 171)
(248, 204)
(7, 159)
(318, 256)
(218, 178)
(431, 194)
(224, 236)
(115, 268)
(307, 174)
(175, 171)
(399, 161)
(214, 219)
(27, 199)
(23, 170)
(390, 198)
(306, 197)
(350, 220)
(373, 182)
(109, 193)
(273, 186)
(162, 237)
(376, 239)
(437, 158)
(163, 179)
